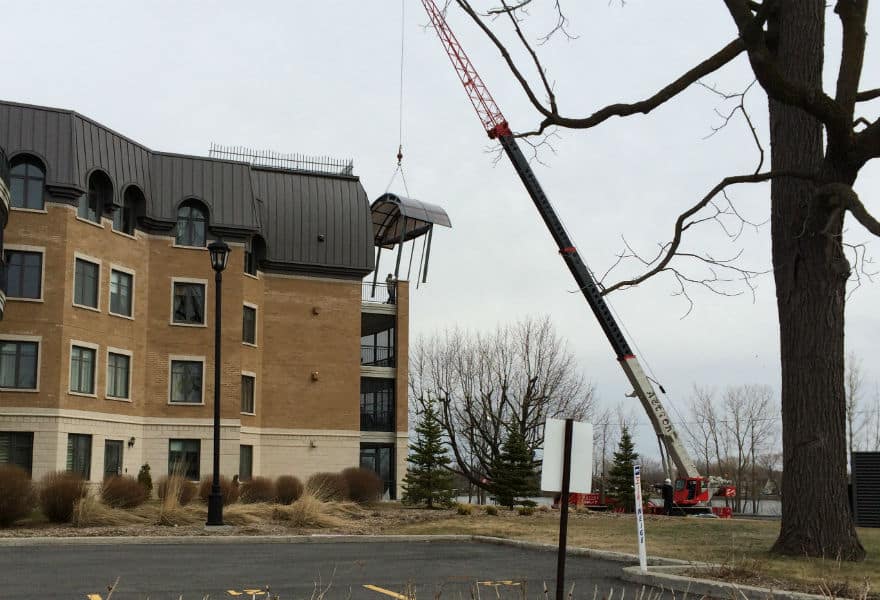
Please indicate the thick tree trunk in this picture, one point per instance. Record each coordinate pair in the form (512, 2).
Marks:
(810, 272)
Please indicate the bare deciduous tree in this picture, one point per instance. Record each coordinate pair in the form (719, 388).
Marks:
(819, 144)
(854, 424)
(486, 384)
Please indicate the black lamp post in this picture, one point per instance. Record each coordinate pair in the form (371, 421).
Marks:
(219, 252)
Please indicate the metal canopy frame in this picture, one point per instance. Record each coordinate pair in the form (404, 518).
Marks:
(397, 220)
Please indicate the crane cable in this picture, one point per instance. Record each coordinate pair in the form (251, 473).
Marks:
(399, 168)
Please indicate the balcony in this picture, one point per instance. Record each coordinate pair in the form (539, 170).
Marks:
(377, 356)
(378, 421)
(380, 294)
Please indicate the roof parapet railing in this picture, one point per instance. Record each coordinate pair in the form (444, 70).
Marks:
(288, 162)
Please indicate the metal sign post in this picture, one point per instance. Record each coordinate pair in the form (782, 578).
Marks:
(563, 516)
(572, 442)
(640, 519)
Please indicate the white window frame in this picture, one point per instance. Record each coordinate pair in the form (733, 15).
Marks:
(184, 357)
(203, 282)
(256, 308)
(90, 346)
(130, 355)
(41, 250)
(93, 260)
(127, 271)
(252, 375)
(8, 337)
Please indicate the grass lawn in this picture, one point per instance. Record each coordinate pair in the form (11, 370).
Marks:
(739, 544)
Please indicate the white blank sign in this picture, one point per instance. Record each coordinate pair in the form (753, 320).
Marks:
(581, 456)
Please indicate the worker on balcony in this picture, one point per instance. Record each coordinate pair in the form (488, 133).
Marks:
(391, 284)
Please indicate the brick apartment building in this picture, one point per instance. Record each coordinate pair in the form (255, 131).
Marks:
(106, 342)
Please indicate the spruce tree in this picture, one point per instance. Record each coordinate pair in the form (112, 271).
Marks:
(620, 478)
(513, 474)
(428, 479)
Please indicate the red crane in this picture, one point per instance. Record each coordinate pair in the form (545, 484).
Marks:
(692, 491)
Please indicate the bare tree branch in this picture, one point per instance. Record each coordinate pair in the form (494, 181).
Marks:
(867, 95)
(681, 225)
(843, 196)
(551, 114)
(812, 100)
(852, 15)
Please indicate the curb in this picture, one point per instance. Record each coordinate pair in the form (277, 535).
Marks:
(666, 578)
(588, 552)
(224, 539)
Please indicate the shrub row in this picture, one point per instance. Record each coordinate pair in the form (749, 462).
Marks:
(58, 493)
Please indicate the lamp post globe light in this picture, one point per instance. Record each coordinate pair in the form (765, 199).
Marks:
(219, 252)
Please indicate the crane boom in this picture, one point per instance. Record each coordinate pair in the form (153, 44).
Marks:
(497, 128)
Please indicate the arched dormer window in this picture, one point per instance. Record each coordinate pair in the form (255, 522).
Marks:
(100, 195)
(27, 176)
(192, 219)
(125, 215)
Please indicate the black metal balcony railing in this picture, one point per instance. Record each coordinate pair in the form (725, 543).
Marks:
(4, 187)
(377, 421)
(377, 356)
(380, 294)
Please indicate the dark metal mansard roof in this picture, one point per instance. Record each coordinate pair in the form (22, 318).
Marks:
(398, 219)
(311, 222)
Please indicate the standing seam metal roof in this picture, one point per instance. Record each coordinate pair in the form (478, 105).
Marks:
(296, 207)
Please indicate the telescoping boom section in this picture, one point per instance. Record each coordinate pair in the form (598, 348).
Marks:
(691, 488)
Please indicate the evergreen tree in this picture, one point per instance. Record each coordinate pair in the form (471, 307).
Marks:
(428, 479)
(513, 474)
(620, 478)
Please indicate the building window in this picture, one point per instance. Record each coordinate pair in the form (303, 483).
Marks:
(18, 365)
(27, 178)
(24, 273)
(379, 458)
(247, 394)
(250, 262)
(377, 404)
(82, 370)
(249, 325)
(191, 225)
(124, 216)
(85, 286)
(186, 381)
(377, 349)
(121, 285)
(17, 448)
(79, 454)
(245, 463)
(99, 196)
(183, 458)
(189, 303)
(118, 373)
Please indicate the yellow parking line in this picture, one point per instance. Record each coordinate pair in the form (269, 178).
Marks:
(376, 588)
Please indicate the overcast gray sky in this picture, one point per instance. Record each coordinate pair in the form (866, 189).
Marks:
(322, 78)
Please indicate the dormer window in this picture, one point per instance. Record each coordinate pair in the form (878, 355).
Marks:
(192, 219)
(100, 195)
(124, 216)
(27, 177)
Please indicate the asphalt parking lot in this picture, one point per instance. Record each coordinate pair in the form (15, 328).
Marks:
(357, 570)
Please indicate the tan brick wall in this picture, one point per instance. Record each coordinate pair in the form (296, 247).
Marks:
(305, 325)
